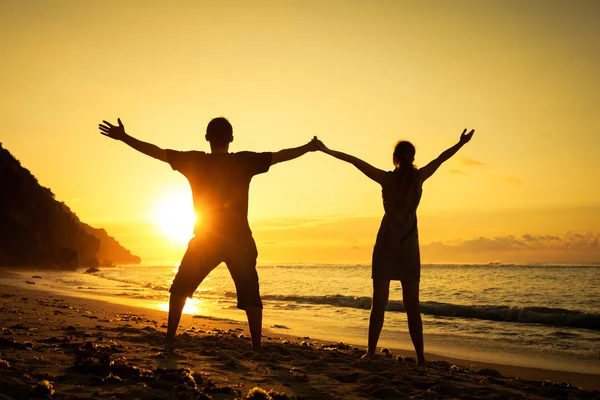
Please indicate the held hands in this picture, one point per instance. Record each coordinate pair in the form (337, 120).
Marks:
(113, 132)
(465, 137)
(312, 145)
(318, 145)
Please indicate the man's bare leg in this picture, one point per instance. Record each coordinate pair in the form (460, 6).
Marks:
(410, 298)
(176, 304)
(381, 291)
(254, 315)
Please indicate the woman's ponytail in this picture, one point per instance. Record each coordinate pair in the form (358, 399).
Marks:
(404, 156)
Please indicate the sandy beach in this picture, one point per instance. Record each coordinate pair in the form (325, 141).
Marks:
(52, 346)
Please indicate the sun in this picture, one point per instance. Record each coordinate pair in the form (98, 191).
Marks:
(174, 215)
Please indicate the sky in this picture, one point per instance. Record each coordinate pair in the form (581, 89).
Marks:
(360, 75)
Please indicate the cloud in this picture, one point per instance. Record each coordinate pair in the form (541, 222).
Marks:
(470, 162)
(530, 238)
(572, 247)
(569, 241)
(458, 172)
(310, 223)
(511, 180)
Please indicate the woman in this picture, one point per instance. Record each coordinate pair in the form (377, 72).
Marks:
(396, 254)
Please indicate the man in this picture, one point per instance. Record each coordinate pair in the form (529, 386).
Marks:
(220, 181)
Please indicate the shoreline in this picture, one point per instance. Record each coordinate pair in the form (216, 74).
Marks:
(438, 346)
(102, 316)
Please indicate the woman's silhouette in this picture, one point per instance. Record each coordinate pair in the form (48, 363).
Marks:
(396, 254)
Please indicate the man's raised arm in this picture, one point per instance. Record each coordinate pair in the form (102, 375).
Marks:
(295, 152)
(118, 133)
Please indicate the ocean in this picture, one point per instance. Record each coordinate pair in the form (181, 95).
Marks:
(527, 315)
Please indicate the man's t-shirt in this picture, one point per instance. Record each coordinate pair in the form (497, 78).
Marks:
(220, 184)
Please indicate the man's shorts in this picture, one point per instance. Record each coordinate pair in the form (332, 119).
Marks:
(205, 253)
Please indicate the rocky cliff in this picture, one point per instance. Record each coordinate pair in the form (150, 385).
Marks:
(36, 229)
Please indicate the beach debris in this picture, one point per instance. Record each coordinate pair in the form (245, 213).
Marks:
(42, 389)
(183, 379)
(112, 379)
(91, 270)
(30, 282)
(257, 393)
(4, 364)
(98, 360)
(19, 326)
(299, 374)
(456, 368)
(338, 346)
(343, 346)
(13, 344)
(36, 277)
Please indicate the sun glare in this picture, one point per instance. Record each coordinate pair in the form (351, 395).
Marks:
(174, 215)
(190, 307)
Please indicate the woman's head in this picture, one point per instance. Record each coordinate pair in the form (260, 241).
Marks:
(404, 153)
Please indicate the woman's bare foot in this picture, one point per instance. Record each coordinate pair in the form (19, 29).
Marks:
(258, 349)
(169, 345)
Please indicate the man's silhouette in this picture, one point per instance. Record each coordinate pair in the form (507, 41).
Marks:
(220, 181)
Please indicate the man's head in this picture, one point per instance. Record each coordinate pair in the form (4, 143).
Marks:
(219, 132)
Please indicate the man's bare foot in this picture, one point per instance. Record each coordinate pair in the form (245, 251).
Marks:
(421, 361)
(367, 356)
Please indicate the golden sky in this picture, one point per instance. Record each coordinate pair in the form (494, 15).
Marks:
(360, 75)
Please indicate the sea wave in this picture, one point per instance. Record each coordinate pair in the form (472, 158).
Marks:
(533, 315)
(147, 285)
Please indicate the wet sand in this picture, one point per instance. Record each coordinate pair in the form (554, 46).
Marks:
(53, 346)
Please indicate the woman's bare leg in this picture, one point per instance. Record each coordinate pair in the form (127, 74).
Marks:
(410, 298)
(381, 291)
